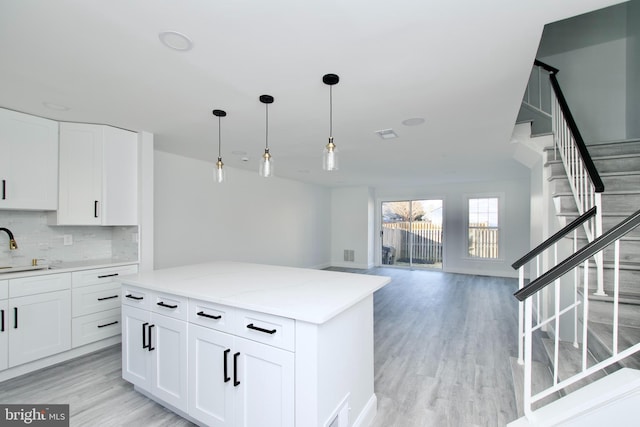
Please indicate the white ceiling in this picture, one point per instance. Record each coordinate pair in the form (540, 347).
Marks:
(460, 65)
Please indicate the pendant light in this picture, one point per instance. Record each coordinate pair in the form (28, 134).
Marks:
(220, 173)
(329, 155)
(266, 164)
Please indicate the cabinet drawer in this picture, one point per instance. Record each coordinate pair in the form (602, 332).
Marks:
(94, 327)
(265, 328)
(92, 299)
(39, 284)
(4, 289)
(101, 275)
(211, 315)
(170, 305)
(136, 297)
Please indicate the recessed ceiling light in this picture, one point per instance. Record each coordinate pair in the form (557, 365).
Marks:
(57, 107)
(176, 40)
(414, 121)
(245, 159)
(387, 133)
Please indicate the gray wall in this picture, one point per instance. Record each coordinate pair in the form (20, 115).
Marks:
(633, 69)
(591, 52)
(249, 218)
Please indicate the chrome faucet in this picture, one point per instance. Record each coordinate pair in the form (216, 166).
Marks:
(12, 242)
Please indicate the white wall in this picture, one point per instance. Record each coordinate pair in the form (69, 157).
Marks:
(352, 211)
(633, 69)
(514, 220)
(249, 218)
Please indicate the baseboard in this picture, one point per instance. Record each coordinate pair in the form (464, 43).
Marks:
(360, 266)
(16, 371)
(368, 413)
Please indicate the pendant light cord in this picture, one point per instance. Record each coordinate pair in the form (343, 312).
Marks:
(266, 137)
(331, 111)
(219, 144)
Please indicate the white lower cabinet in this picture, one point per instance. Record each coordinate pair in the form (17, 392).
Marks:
(4, 335)
(39, 326)
(154, 355)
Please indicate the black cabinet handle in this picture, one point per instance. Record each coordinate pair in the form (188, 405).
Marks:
(256, 328)
(134, 297)
(4, 189)
(162, 304)
(107, 324)
(144, 336)
(111, 297)
(150, 334)
(210, 316)
(226, 375)
(95, 209)
(2, 328)
(236, 383)
(107, 275)
(15, 317)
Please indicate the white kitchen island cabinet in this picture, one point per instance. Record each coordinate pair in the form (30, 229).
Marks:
(266, 346)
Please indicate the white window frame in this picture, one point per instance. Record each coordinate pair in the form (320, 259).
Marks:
(500, 228)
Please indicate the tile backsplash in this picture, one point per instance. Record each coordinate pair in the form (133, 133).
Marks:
(37, 239)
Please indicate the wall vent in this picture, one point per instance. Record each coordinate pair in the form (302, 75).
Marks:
(349, 255)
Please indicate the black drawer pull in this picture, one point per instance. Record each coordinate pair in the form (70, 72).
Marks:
(134, 297)
(111, 297)
(210, 316)
(256, 328)
(95, 209)
(107, 324)
(108, 275)
(144, 335)
(162, 304)
(227, 378)
(15, 317)
(150, 345)
(2, 329)
(236, 383)
(4, 189)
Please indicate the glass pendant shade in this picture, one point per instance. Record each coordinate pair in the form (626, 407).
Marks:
(330, 156)
(219, 173)
(266, 164)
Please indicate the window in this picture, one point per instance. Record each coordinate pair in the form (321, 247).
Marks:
(483, 228)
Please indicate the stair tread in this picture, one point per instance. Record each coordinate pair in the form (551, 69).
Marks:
(570, 363)
(627, 337)
(540, 380)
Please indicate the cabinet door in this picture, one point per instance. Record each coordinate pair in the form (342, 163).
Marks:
(169, 360)
(4, 334)
(211, 388)
(39, 326)
(120, 177)
(29, 162)
(80, 195)
(136, 358)
(266, 390)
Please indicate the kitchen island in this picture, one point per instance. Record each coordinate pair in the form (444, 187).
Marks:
(236, 344)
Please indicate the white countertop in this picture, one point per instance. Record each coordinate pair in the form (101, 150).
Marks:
(308, 295)
(65, 267)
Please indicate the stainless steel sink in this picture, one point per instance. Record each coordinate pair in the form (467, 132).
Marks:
(17, 269)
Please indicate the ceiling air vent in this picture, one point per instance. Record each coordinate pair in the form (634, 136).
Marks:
(387, 133)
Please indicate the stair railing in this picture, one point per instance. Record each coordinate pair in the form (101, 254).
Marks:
(584, 179)
(536, 254)
(572, 264)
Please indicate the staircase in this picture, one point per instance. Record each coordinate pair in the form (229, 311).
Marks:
(572, 371)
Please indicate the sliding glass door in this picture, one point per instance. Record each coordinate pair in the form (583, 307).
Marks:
(412, 233)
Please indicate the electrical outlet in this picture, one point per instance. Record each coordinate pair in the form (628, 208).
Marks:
(68, 239)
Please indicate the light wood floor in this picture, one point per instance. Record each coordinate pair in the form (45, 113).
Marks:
(442, 348)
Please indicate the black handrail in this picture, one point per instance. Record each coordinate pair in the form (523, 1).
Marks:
(615, 233)
(553, 239)
(582, 147)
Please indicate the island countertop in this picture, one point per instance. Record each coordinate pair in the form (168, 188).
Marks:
(308, 295)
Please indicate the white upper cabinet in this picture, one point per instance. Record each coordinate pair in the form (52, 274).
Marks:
(98, 176)
(28, 162)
